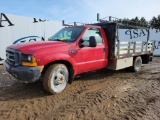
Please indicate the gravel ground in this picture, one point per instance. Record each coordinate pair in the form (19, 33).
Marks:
(97, 95)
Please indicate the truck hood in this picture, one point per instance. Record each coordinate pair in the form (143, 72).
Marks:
(40, 47)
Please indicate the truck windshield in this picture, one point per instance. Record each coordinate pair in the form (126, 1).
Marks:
(69, 34)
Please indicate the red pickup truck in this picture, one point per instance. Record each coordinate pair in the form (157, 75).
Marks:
(74, 50)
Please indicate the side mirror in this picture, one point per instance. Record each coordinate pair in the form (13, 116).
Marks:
(92, 41)
(89, 43)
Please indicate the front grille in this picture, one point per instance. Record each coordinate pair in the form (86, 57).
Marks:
(13, 56)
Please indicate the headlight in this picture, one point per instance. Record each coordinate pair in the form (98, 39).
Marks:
(28, 60)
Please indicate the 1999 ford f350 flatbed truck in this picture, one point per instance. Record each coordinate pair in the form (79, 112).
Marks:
(78, 49)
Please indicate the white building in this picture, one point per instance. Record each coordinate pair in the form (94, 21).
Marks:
(155, 36)
(15, 29)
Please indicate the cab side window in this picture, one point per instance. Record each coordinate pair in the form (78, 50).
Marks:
(93, 32)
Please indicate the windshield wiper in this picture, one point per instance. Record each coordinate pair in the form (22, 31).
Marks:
(54, 40)
(57, 40)
(60, 40)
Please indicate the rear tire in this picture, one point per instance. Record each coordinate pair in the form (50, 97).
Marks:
(56, 78)
(137, 63)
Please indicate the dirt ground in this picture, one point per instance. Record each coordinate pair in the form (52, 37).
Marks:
(96, 95)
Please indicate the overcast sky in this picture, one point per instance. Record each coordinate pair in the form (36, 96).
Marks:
(81, 10)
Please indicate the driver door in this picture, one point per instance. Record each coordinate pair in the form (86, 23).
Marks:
(92, 58)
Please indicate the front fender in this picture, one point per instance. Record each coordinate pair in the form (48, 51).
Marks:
(57, 57)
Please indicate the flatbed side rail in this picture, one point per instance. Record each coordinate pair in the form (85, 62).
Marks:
(133, 48)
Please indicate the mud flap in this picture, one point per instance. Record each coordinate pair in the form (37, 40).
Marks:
(146, 58)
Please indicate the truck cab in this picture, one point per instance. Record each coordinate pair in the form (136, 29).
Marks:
(87, 46)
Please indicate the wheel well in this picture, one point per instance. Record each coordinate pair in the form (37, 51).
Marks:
(136, 57)
(68, 65)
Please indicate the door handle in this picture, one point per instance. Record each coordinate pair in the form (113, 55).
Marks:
(104, 49)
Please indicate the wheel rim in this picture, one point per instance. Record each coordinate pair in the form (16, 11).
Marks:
(59, 79)
(138, 64)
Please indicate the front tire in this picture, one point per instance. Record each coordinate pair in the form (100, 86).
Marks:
(56, 78)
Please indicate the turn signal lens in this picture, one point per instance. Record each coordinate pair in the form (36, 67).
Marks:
(32, 63)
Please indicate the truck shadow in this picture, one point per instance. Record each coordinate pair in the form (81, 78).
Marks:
(22, 91)
(98, 74)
